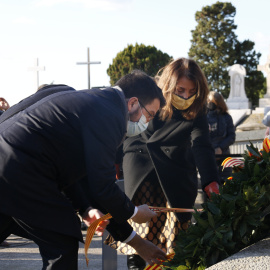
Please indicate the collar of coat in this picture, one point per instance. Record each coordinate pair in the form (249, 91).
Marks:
(158, 130)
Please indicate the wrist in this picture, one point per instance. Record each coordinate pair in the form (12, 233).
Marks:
(135, 242)
(132, 235)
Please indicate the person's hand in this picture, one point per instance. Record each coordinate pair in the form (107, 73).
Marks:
(218, 151)
(144, 214)
(91, 216)
(213, 187)
(3, 104)
(266, 133)
(147, 250)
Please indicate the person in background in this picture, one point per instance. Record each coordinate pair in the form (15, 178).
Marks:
(266, 122)
(3, 105)
(158, 164)
(266, 135)
(42, 86)
(222, 130)
(57, 153)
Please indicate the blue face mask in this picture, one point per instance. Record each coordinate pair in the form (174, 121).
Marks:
(135, 128)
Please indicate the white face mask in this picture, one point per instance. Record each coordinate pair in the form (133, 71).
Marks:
(135, 128)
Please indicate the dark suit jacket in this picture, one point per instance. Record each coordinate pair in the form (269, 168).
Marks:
(165, 147)
(54, 144)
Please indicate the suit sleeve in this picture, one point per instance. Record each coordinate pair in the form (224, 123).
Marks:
(120, 232)
(203, 152)
(78, 197)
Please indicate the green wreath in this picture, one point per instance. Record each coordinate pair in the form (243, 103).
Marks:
(232, 220)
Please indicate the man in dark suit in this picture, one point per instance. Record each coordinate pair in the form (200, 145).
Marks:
(57, 154)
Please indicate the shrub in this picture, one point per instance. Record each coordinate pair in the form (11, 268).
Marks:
(232, 220)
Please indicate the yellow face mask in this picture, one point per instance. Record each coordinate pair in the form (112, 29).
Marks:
(181, 103)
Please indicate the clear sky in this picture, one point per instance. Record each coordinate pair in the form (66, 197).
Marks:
(58, 32)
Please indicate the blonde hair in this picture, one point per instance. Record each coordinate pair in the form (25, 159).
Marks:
(170, 75)
(218, 99)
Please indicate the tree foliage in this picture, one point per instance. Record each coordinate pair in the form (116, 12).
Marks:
(215, 47)
(146, 58)
(255, 83)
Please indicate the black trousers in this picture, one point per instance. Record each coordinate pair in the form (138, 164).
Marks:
(58, 251)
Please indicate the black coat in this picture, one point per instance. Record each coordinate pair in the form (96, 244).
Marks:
(54, 144)
(222, 130)
(166, 148)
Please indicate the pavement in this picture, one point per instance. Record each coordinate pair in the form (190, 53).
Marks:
(23, 254)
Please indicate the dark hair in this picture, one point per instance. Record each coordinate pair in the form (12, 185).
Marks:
(218, 99)
(139, 84)
(170, 74)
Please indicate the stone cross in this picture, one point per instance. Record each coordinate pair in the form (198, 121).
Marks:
(37, 69)
(266, 68)
(88, 63)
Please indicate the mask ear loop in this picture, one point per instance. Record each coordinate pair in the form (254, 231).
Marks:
(142, 113)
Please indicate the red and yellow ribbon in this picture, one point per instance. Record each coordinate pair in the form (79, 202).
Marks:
(90, 233)
(232, 162)
(158, 266)
(266, 145)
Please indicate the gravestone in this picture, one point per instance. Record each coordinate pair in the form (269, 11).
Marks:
(264, 102)
(237, 98)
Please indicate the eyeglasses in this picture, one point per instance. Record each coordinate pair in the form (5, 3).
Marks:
(150, 115)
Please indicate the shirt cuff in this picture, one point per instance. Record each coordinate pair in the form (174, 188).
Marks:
(130, 237)
(135, 212)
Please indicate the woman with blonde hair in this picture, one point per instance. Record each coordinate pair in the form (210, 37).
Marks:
(158, 164)
(222, 130)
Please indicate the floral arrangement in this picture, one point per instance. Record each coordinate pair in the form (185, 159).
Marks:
(232, 220)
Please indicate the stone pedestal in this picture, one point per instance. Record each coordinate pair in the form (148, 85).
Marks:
(264, 102)
(255, 256)
(238, 103)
